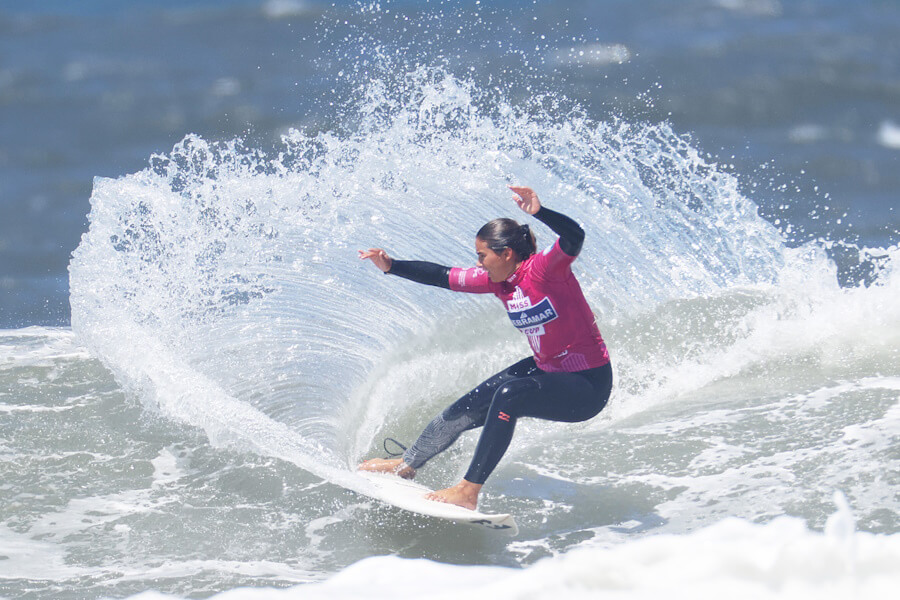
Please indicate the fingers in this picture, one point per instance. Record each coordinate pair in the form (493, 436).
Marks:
(521, 190)
(526, 198)
(523, 194)
(378, 256)
(371, 253)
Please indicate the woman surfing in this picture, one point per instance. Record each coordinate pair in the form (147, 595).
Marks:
(568, 378)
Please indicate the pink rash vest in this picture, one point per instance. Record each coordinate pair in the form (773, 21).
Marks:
(545, 302)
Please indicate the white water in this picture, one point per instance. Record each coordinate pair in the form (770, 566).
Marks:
(221, 287)
(783, 559)
(241, 268)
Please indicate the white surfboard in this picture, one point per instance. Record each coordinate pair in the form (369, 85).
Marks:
(410, 496)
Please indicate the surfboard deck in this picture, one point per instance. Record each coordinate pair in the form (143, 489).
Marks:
(410, 496)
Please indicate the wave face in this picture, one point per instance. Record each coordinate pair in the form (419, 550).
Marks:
(241, 268)
(222, 286)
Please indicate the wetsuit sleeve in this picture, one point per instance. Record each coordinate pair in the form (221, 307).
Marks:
(421, 272)
(571, 235)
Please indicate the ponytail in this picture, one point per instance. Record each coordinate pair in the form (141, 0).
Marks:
(500, 234)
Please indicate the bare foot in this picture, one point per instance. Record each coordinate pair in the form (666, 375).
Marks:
(464, 493)
(392, 466)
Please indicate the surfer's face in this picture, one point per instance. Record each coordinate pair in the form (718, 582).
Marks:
(499, 266)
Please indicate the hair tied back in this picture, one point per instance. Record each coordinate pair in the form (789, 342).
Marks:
(507, 233)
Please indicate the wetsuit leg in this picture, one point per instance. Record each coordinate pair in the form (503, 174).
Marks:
(569, 397)
(468, 412)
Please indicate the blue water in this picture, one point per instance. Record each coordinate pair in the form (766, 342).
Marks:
(94, 88)
(192, 357)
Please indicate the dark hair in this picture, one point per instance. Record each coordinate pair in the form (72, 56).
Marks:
(506, 233)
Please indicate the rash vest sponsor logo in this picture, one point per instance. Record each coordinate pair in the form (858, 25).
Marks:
(533, 316)
(467, 273)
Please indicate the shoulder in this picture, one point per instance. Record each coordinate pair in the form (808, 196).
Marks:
(552, 262)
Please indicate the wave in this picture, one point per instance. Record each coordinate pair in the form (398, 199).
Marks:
(221, 284)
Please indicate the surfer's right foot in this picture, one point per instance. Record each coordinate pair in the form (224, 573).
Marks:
(392, 466)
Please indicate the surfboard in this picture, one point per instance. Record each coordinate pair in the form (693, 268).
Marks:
(410, 496)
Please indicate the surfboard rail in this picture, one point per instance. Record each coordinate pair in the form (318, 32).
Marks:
(410, 496)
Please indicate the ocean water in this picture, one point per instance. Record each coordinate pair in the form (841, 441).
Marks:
(189, 373)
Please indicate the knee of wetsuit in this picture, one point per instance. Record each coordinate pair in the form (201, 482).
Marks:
(508, 392)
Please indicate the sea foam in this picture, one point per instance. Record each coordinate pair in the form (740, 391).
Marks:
(733, 558)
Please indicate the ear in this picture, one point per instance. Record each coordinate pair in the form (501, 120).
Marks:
(508, 254)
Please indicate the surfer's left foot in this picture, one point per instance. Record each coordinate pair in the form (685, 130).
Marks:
(393, 466)
(464, 493)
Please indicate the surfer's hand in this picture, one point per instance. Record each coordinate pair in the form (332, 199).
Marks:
(379, 257)
(526, 198)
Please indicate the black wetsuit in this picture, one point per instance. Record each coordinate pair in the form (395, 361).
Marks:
(521, 390)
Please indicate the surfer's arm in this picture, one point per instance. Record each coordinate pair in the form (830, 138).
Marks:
(414, 270)
(421, 272)
(571, 234)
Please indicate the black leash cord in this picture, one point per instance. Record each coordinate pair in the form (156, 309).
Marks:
(393, 454)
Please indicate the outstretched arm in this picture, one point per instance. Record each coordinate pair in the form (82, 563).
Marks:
(571, 235)
(415, 270)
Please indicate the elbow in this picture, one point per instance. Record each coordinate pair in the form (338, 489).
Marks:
(572, 245)
(576, 250)
(578, 241)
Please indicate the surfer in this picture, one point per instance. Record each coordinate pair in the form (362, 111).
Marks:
(568, 377)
